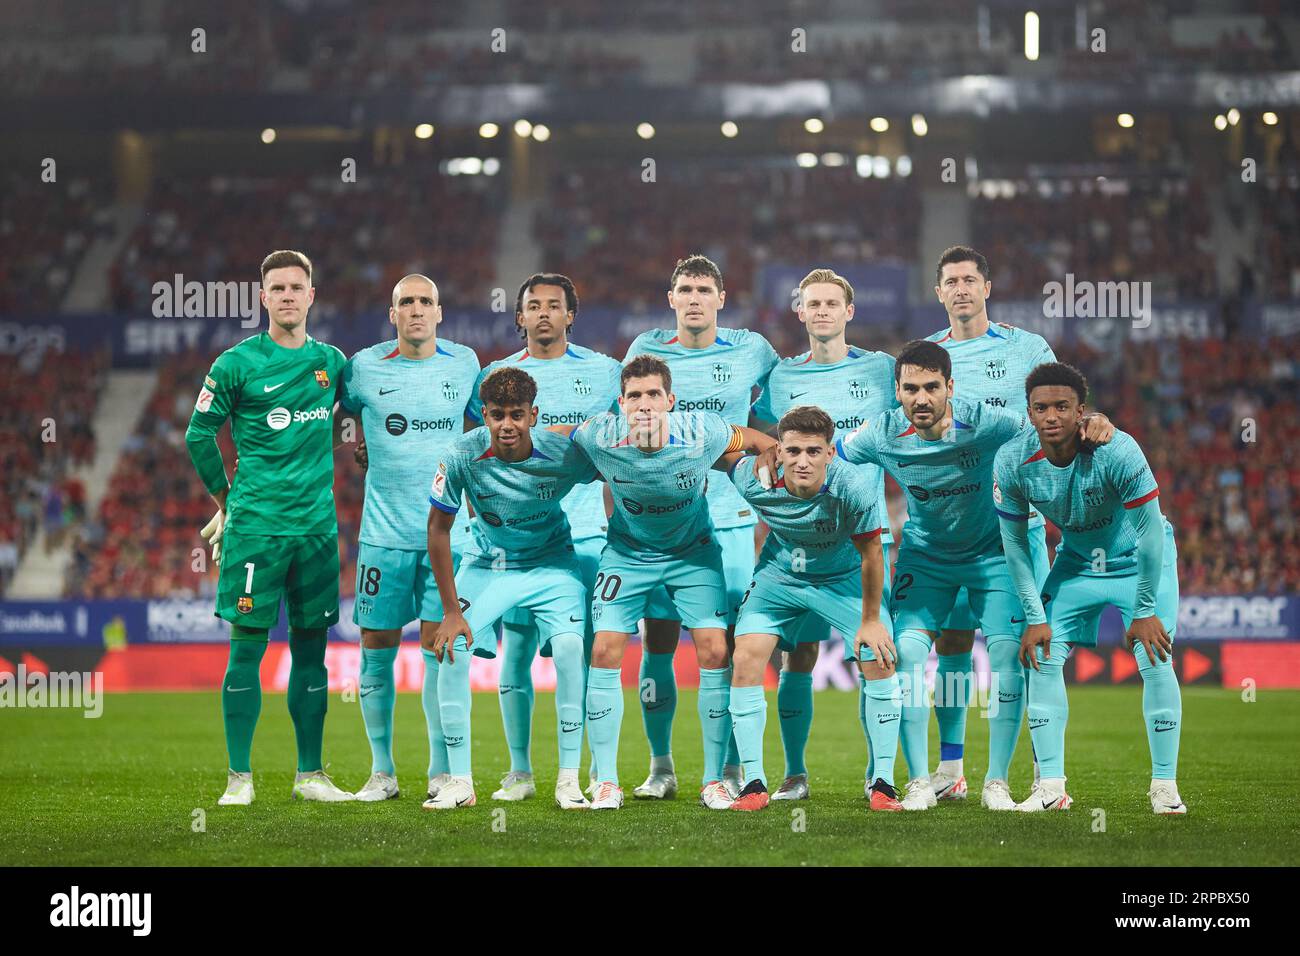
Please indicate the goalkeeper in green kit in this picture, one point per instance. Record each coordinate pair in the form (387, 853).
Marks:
(276, 531)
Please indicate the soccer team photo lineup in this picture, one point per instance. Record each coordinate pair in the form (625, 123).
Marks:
(856, 434)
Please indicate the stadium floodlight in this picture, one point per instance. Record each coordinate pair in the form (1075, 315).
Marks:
(491, 166)
(879, 124)
(424, 131)
(1031, 35)
(833, 159)
(1125, 120)
(864, 165)
(730, 129)
(645, 130)
(919, 126)
(268, 135)
(488, 130)
(471, 165)
(813, 125)
(880, 165)
(541, 132)
(806, 160)
(1270, 118)
(1220, 122)
(1234, 116)
(523, 128)
(903, 166)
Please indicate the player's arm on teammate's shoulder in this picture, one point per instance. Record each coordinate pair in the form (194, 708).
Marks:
(1096, 429)
(751, 441)
(872, 631)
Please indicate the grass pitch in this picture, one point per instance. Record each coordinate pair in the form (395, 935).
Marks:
(139, 786)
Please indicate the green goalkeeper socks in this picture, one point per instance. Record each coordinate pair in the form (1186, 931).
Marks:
(241, 694)
(308, 695)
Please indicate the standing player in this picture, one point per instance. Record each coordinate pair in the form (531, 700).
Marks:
(516, 479)
(989, 363)
(823, 558)
(854, 386)
(276, 531)
(573, 384)
(940, 450)
(656, 461)
(1116, 548)
(715, 370)
(411, 395)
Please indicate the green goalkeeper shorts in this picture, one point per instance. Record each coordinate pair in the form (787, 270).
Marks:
(257, 570)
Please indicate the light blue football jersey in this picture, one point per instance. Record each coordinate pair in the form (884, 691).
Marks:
(992, 367)
(719, 379)
(1089, 499)
(660, 512)
(578, 385)
(853, 392)
(948, 482)
(412, 411)
(521, 522)
(812, 538)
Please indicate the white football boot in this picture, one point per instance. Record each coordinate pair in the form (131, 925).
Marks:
(920, 795)
(317, 785)
(794, 788)
(452, 795)
(1048, 794)
(1163, 793)
(948, 786)
(516, 786)
(437, 783)
(733, 778)
(715, 796)
(568, 795)
(380, 786)
(609, 796)
(660, 785)
(239, 790)
(997, 796)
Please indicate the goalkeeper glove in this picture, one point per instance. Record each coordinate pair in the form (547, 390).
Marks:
(212, 532)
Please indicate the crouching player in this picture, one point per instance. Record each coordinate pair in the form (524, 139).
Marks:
(1116, 548)
(823, 556)
(516, 480)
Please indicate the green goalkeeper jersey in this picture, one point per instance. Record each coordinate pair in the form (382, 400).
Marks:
(280, 403)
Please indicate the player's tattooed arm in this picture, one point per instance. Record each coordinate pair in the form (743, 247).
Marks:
(872, 632)
(453, 620)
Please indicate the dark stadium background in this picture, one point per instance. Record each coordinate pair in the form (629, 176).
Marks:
(136, 149)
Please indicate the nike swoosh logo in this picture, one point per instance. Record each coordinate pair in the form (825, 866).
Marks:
(388, 391)
(600, 714)
(622, 481)
(486, 497)
(271, 388)
(793, 396)
(719, 613)
(575, 620)
(1017, 620)
(236, 690)
(907, 464)
(656, 705)
(1161, 730)
(886, 720)
(367, 691)
(312, 690)
(568, 730)
(463, 800)
(1048, 804)
(718, 715)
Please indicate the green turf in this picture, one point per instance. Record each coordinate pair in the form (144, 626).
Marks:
(127, 788)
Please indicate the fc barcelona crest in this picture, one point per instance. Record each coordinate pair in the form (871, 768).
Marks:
(857, 390)
(722, 372)
(968, 458)
(449, 391)
(245, 603)
(685, 480)
(581, 387)
(322, 378)
(1094, 497)
(545, 492)
(995, 368)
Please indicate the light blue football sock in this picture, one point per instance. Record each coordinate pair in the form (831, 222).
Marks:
(862, 719)
(1006, 704)
(794, 705)
(378, 695)
(515, 692)
(952, 683)
(883, 711)
(432, 716)
(658, 701)
(715, 718)
(1162, 709)
(566, 652)
(454, 705)
(605, 718)
(748, 719)
(1048, 712)
(914, 732)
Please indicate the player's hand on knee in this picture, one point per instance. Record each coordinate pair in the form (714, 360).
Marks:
(1151, 634)
(875, 636)
(453, 626)
(212, 532)
(1036, 635)
(361, 456)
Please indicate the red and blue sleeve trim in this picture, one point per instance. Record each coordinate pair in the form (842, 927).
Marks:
(1138, 502)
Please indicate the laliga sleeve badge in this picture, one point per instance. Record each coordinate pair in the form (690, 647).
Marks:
(997, 493)
(322, 378)
(205, 399)
(244, 604)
